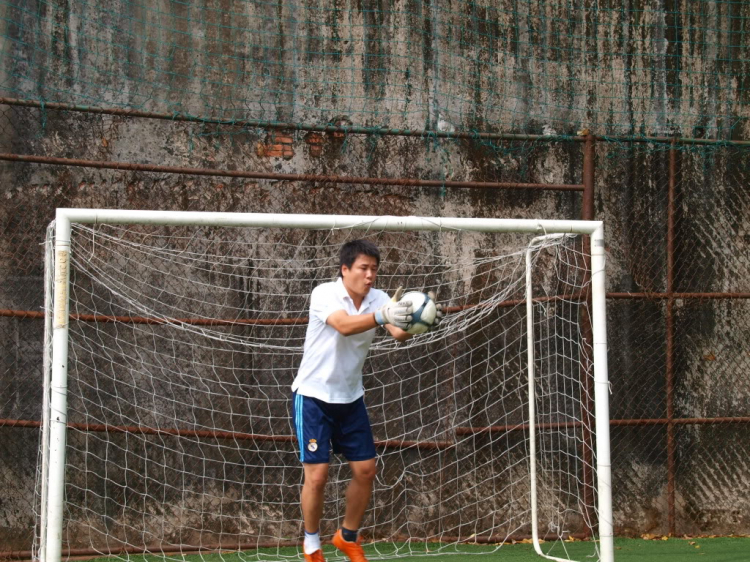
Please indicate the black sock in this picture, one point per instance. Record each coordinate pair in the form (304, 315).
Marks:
(349, 536)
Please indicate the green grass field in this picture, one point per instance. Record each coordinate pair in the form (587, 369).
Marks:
(723, 549)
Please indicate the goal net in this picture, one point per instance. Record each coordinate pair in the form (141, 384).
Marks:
(183, 342)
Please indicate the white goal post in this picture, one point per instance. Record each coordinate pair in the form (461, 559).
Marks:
(539, 234)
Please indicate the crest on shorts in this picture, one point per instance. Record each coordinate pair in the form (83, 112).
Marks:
(312, 446)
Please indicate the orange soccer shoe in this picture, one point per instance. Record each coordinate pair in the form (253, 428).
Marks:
(352, 550)
(316, 556)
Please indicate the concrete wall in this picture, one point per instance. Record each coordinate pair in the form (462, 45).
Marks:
(647, 68)
(664, 67)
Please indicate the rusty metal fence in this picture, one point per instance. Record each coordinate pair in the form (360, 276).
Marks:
(678, 220)
(680, 411)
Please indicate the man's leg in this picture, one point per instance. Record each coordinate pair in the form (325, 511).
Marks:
(358, 492)
(313, 435)
(357, 499)
(354, 439)
(312, 509)
(316, 476)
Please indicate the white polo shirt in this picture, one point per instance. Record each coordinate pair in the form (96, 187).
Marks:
(331, 368)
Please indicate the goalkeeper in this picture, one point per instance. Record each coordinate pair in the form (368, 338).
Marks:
(327, 395)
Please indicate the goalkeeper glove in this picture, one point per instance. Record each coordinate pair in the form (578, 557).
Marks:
(439, 315)
(395, 313)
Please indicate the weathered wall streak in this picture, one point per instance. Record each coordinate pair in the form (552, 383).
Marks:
(643, 67)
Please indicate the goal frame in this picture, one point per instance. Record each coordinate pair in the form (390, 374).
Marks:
(56, 329)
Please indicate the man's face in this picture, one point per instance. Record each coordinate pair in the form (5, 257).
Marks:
(358, 278)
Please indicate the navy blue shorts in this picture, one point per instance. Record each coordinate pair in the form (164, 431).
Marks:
(319, 425)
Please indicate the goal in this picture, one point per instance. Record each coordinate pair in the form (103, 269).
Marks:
(172, 340)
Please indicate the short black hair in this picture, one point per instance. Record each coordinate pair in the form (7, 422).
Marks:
(355, 248)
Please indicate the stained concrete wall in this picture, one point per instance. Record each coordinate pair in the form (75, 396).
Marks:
(515, 68)
(654, 68)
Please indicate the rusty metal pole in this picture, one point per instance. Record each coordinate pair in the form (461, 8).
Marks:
(587, 213)
(670, 340)
(589, 152)
(248, 174)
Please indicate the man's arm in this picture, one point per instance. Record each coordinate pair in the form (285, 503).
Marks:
(398, 333)
(347, 325)
(393, 314)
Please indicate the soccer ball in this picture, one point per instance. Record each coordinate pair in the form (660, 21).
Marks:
(423, 312)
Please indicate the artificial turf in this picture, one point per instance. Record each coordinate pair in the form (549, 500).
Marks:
(720, 549)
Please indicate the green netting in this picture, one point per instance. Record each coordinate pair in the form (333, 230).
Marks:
(616, 67)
